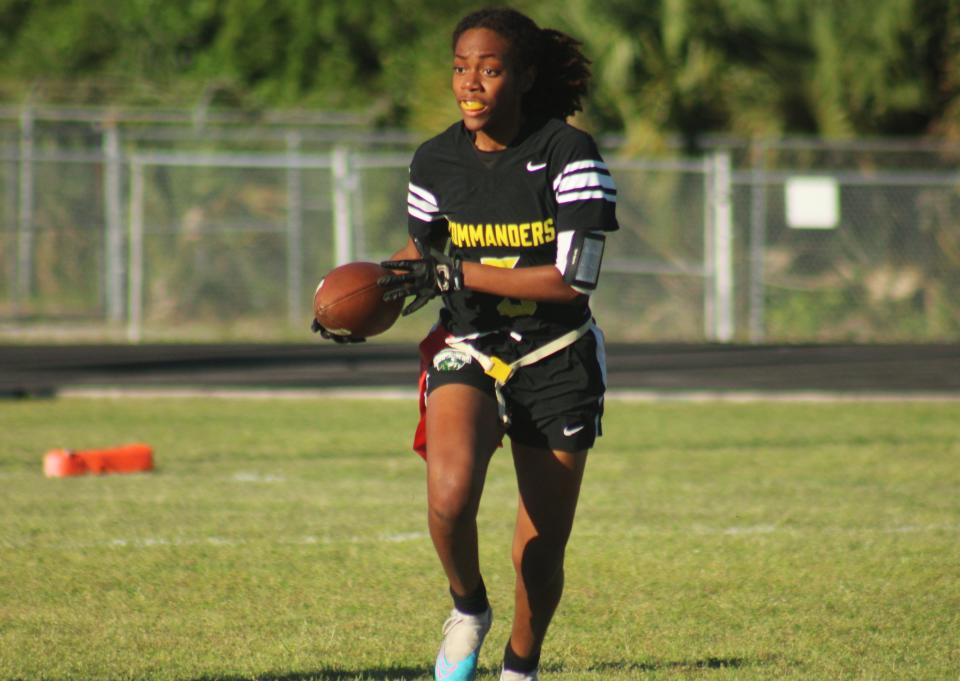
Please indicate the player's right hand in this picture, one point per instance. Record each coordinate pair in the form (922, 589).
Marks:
(317, 327)
(425, 278)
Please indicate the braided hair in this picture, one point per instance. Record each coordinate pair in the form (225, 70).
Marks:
(563, 72)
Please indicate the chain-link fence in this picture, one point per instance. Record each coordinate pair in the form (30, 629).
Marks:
(889, 269)
(150, 233)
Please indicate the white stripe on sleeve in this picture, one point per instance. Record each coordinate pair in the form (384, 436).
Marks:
(423, 194)
(420, 215)
(583, 180)
(570, 197)
(564, 240)
(416, 202)
(577, 166)
(421, 204)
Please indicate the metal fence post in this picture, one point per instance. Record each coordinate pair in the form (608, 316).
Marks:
(718, 249)
(294, 229)
(10, 220)
(112, 201)
(25, 217)
(342, 205)
(758, 244)
(135, 244)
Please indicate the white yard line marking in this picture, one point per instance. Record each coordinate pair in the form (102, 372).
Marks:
(153, 542)
(246, 476)
(767, 529)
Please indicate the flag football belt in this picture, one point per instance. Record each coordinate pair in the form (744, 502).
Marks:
(502, 371)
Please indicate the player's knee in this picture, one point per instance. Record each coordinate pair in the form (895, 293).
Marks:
(539, 560)
(450, 500)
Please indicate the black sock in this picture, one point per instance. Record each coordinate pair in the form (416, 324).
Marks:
(475, 603)
(515, 663)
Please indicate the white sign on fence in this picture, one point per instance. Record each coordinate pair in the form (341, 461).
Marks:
(812, 202)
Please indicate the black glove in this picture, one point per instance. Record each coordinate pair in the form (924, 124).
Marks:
(425, 278)
(317, 327)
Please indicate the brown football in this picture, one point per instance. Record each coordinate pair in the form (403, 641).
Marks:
(348, 301)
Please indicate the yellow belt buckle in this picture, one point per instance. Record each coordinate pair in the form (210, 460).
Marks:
(499, 370)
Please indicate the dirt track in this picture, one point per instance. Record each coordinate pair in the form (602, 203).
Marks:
(44, 370)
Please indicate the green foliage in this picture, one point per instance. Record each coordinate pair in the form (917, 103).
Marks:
(755, 68)
(676, 66)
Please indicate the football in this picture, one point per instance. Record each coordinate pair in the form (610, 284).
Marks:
(348, 301)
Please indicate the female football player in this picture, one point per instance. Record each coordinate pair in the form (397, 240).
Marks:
(507, 214)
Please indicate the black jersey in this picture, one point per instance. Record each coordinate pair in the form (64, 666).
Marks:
(507, 209)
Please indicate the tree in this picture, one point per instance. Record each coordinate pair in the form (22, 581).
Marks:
(671, 67)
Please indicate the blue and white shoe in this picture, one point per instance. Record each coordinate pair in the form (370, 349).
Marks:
(462, 637)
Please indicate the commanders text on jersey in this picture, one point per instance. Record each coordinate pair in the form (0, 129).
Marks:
(523, 235)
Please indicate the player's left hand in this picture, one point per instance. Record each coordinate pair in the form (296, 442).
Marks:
(317, 327)
(424, 278)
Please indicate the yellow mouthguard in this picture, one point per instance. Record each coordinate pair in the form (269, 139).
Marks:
(471, 106)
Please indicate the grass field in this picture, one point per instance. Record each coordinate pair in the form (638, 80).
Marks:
(285, 540)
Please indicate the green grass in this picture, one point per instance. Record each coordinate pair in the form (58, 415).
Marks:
(285, 540)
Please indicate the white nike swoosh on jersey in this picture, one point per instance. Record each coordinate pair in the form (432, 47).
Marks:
(572, 430)
(534, 167)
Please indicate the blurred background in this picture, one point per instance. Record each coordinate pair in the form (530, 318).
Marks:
(187, 170)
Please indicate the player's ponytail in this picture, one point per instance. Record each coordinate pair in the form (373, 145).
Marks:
(563, 75)
(563, 72)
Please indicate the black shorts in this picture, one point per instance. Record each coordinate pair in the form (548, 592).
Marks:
(556, 403)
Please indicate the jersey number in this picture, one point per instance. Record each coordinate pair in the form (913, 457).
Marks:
(511, 307)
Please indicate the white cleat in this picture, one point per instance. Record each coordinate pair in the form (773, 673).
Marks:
(510, 675)
(462, 637)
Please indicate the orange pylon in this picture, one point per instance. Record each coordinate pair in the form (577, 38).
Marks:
(131, 458)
